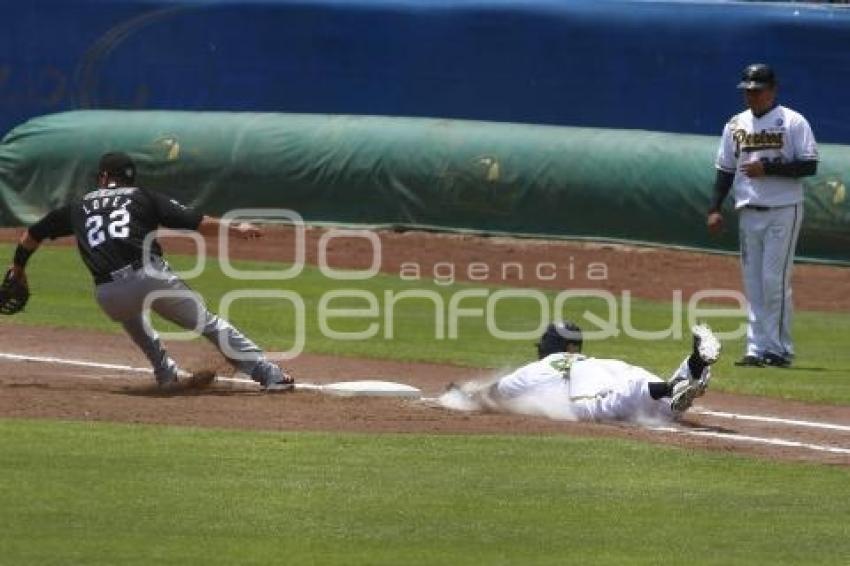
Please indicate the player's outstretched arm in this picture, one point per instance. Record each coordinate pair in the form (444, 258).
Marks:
(26, 247)
(55, 224)
(210, 226)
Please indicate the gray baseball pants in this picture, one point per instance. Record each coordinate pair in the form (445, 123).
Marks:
(123, 300)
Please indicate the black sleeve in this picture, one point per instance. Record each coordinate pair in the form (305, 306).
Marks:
(722, 185)
(172, 214)
(793, 169)
(55, 224)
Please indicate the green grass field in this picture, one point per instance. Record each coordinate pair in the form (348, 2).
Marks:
(78, 493)
(86, 493)
(63, 297)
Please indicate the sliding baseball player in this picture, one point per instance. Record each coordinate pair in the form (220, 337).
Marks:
(565, 382)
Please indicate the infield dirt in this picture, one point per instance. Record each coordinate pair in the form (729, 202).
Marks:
(39, 390)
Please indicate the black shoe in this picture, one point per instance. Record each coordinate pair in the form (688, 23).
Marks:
(271, 378)
(776, 361)
(751, 362)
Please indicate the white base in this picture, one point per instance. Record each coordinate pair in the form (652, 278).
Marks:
(365, 388)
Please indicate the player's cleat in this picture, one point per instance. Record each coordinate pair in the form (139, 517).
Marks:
(271, 378)
(692, 378)
(750, 361)
(774, 360)
(280, 387)
(706, 345)
(278, 384)
(686, 390)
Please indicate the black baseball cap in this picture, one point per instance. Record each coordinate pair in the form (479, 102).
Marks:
(756, 77)
(117, 164)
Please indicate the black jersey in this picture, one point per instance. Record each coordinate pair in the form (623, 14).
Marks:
(111, 225)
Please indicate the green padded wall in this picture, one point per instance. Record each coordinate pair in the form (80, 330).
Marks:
(630, 185)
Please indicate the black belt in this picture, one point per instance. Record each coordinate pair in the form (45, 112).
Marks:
(118, 274)
(760, 208)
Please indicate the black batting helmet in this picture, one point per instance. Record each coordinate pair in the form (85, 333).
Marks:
(557, 336)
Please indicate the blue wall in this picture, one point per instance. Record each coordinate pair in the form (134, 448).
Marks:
(665, 66)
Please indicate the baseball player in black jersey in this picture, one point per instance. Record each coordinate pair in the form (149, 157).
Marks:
(110, 224)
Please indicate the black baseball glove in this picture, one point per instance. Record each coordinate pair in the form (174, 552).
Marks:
(14, 294)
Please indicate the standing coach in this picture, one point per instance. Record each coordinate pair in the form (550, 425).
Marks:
(764, 153)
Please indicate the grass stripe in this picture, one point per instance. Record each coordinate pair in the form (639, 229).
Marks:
(82, 493)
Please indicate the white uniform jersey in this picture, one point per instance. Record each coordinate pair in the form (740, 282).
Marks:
(779, 136)
(590, 389)
(551, 371)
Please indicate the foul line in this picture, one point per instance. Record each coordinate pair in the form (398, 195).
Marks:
(67, 362)
(723, 435)
(80, 363)
(776, 420)
(754, 439)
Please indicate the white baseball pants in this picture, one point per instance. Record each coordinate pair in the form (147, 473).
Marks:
(768, 240)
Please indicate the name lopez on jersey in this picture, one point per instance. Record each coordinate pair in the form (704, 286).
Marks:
(99, 199)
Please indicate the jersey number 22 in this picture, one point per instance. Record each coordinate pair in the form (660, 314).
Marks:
(118, 227)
